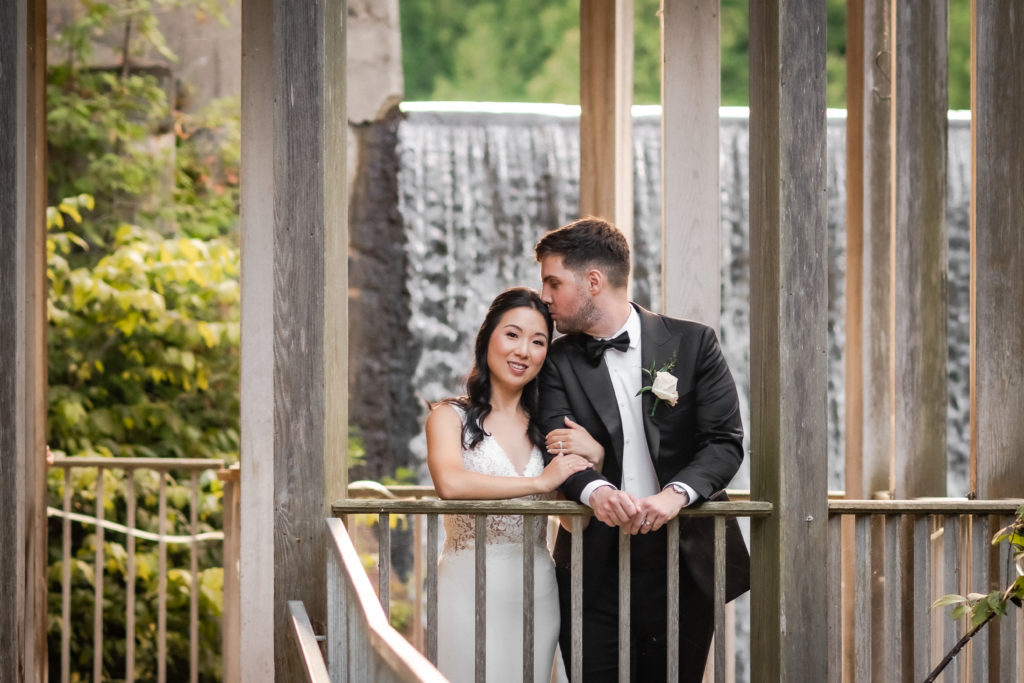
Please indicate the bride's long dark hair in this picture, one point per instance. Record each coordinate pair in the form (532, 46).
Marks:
(477, 401)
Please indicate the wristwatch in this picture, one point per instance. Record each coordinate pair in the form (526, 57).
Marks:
(679, 488)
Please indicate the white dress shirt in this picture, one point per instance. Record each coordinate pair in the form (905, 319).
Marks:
(626, 373)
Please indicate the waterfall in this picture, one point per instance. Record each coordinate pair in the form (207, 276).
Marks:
(477, 188)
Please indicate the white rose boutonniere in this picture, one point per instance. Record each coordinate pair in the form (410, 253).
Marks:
(663, 384)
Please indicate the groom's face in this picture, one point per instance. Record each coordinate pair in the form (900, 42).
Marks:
(566, 295)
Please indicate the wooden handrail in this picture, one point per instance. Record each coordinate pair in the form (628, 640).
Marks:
(404, 661)
(925, 506)
(520, 507)
(309, 649)
(159, 464)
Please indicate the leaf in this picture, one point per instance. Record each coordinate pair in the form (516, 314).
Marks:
(950, 599)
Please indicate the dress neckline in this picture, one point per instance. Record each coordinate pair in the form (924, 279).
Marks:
(504, 454)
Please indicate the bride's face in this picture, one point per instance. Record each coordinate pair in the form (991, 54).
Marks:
(517, 347)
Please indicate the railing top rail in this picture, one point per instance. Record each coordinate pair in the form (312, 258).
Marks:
(925, 506)
(518, 507)
(141, 463)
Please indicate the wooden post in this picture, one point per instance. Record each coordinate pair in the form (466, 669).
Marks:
(997, 251)
(23, 340)
(691, 264)
(869, 278)
(606, 123)
(788, 323)
(294, 308)
(919, 119)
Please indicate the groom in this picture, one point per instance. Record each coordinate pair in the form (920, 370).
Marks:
(661, 454)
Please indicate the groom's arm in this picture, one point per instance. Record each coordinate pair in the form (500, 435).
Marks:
(554, 405)
(718, 427)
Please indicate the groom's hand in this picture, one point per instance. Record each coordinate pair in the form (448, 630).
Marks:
(613, 507)
(654, 511)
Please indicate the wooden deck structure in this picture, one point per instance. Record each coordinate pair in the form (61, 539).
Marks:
(294, 244)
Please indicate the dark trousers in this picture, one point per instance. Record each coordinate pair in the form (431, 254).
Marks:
(648, 656)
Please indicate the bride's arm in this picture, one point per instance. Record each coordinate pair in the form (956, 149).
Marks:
(453, 481)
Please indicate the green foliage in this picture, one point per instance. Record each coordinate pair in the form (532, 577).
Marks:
(143, 268)
(486, 50)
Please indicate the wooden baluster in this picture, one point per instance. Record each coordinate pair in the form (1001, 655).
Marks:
(97, 618)
(65, 584)
(529, 595)
(624, 579)
(432, 588)
(481, 597)
(672, 672)
(576, 582)
(384, 562)
(719, 599)
(129, 602)
(161, 613)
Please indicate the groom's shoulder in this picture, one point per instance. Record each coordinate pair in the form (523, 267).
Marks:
(680, 326)
(564, 346)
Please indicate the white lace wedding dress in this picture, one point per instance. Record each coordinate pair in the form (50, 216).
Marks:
(504, 580)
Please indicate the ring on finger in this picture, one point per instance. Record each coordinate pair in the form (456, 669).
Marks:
(560, 446)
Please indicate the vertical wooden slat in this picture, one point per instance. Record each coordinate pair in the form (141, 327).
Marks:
(922, 598)
(862, 621)
(480, 634)
(690, 94)
(1006, 626)
(893, 610)
(951, 584)
(576, 598)
(294, 311)
(528, 596)
(920, 262)
(161, 613)
(384, 561)
(835, 601)
(193, 607)
(417, 579)
(129, 589)
(432, 588)
(337, 620)
(980, 553)
(606, 124)
(672, 635)
(997, 252)
(97, 613)
(624, 603)
(788, 322)
(65, 583)
(719, 599)
(231, 622)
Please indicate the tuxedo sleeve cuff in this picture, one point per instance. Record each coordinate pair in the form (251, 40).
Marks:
(691, 495)
(590, 488)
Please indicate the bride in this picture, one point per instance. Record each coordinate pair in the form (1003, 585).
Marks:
(485, 446)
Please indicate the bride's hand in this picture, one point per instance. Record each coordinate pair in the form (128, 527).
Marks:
(575, 439)
(561, 468)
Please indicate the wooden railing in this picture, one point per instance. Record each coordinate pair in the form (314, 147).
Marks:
(425, 517)
(897, 557)
(127, 468)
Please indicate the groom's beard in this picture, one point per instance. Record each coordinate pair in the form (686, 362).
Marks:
(582, 320)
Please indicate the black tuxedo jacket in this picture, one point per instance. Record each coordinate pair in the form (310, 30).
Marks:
(698, 441)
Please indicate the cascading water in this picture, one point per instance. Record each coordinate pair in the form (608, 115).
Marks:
(477, 189)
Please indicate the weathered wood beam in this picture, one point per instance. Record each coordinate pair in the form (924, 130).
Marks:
(788, 322)
(606, 123)
(920, 104)
(869, 378)
(997, 250)
(691, 263)
(294, 307)
(23, 340)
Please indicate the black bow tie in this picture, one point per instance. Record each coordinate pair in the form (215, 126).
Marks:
(594, 348)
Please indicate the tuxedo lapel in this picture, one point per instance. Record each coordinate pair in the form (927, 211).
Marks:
(655, 351)
(597, 386)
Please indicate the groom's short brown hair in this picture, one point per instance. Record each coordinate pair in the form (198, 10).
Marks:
(589, 242)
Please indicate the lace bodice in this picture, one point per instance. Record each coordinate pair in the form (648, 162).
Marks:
(488, 457)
